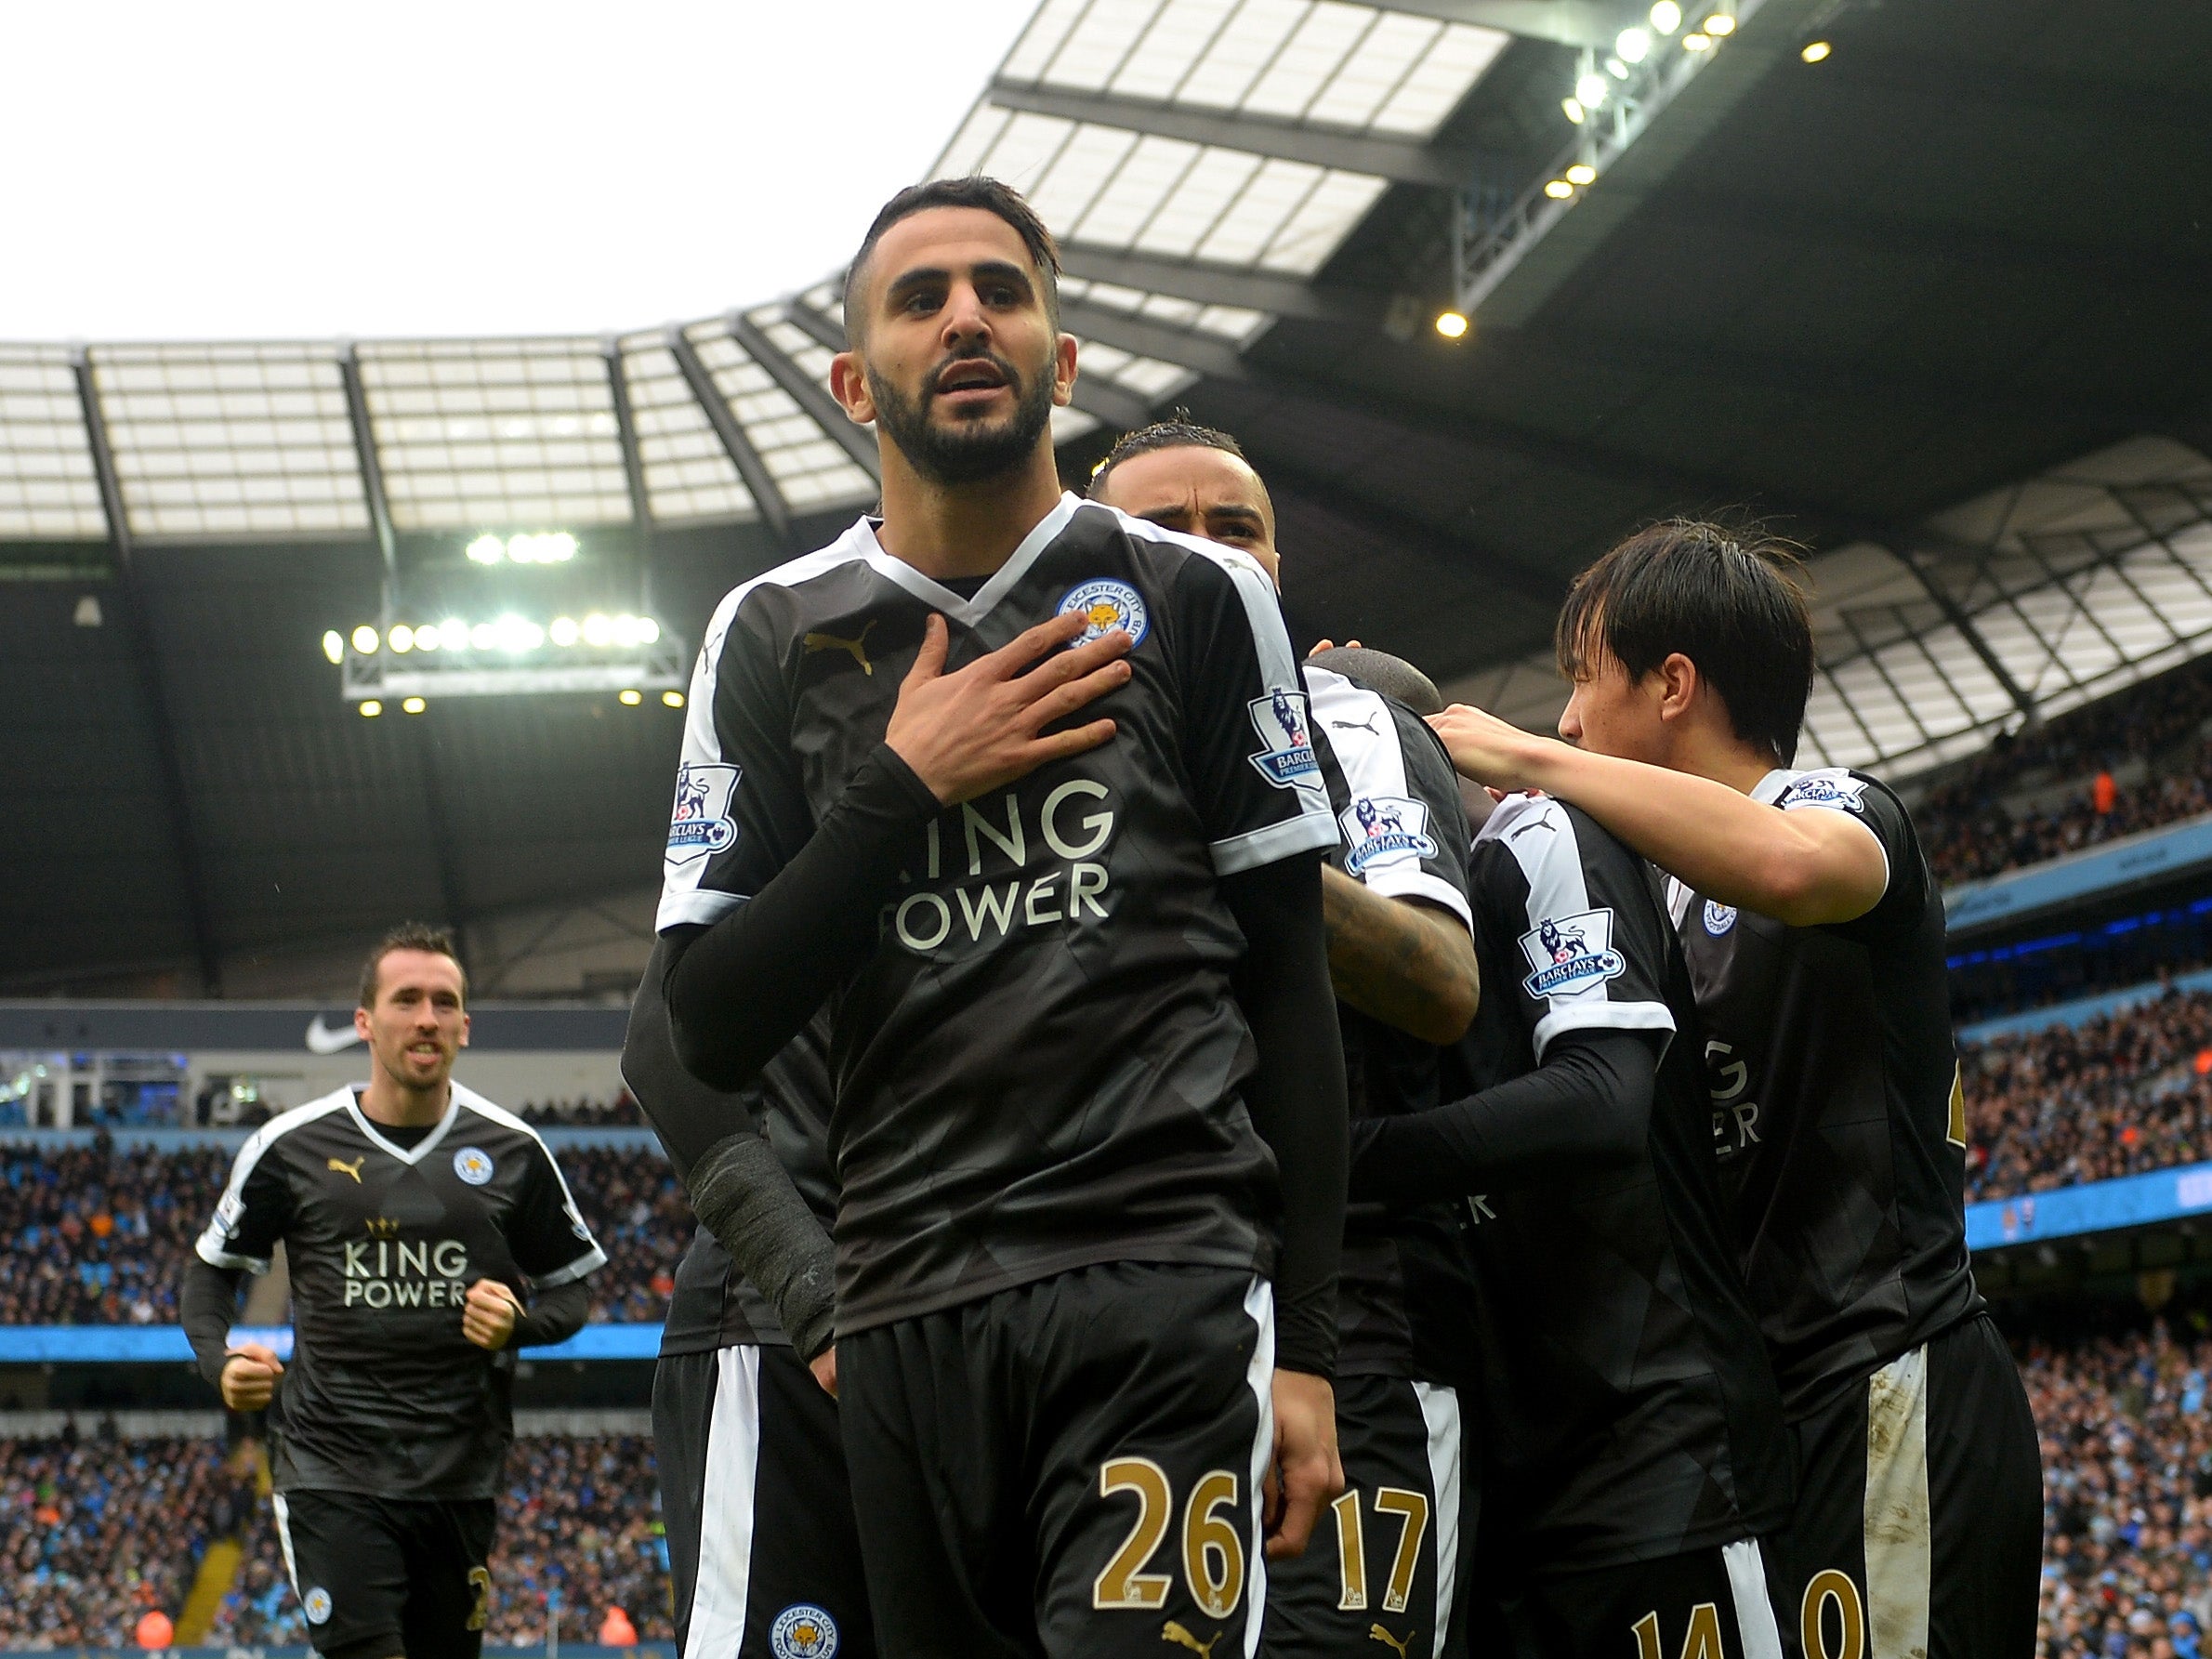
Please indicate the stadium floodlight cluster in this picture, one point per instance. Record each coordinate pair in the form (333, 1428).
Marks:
(552, 547)
(508, 655)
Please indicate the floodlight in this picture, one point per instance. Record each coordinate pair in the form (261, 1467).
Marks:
(1720, 23)
(1451, 324)
(413, 706)
(1575, 112)
(453, 633)
(1591, 90)
(1633, 44)
(333, 645)
(564, 630)
(1667, 17)
(1697, 42)
(426, 637)
(598, 630)
(1816, 52)
(401, 639)
(487, 549)
(364, 640)
(1559, 190)
(370, 709)
(1616, 68)
(1582, 173)
(672, 699)
(649, 631)
(629, 698)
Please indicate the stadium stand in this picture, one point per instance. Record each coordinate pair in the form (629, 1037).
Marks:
(621, 1112)
(99, 1234)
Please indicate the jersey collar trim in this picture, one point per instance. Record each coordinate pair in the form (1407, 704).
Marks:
(968, 613)
(421, 1148)
(1770, 787)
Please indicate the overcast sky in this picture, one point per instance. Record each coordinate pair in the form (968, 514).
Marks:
(263, 171)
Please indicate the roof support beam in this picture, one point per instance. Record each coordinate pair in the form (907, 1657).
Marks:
(372, 469)
(626, 432)
(1567, 22)
(809, 395)
(1922, 566)
(1116, 405)
(750, 467)
(1399, 159)
(826, 331)
(441, 846)
(1217, 284)
(140, 630)
(1203, 353)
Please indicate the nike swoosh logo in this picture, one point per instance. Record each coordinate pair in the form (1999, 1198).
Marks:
(321, 1039)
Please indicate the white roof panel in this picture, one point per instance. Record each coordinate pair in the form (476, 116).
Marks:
(687, 473)
(811, 468)
(231, 440)
(48, 490)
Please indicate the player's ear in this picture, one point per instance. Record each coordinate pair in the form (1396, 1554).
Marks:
(464, 1028)
(1678, 685)
(360, 1024)
(1063, 369)
(848, 384)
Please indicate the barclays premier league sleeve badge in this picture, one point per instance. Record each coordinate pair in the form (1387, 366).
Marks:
(702, 824)
(1383, 829)
(1571, 953)
(1285, 759)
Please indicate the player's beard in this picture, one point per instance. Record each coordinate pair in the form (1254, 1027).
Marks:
(967, 452)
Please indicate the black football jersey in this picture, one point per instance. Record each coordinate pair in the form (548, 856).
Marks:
(1040, 1067)
(1836, 1116)
(383, 1394)
(713, 1305)
(1402, 1285)
(1629, 1410)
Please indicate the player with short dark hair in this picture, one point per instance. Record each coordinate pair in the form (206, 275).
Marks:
(415, 1216)
(1814, 930)
(1031, 791)
(1402, 960)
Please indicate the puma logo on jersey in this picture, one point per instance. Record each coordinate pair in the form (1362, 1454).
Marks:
(353, 1169)
(1175, 1633)
(1377, 1633)
(856, 648)
(1366, 725)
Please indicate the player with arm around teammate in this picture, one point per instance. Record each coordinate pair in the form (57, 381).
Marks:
(762, 1545)
(1403, 964)
(1814, 930)
(1005, 774)
(415, 1216)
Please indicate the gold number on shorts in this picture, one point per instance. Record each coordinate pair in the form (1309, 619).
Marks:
(479, 1580)
(1702, 1640)
(1206, 1536)
(1124, 1583)
(1351, 1551)
(1413, 1508)
(1826, 1586)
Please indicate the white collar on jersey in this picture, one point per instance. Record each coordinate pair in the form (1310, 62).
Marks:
(967, 612)
(421, 1148)
(1768, 788)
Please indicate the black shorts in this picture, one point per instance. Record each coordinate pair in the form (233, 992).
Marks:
(377, 1576)
(1067, 1468)
(1384, 1561)
(1715, 1603)
(1919, 1518)
(758, 1513)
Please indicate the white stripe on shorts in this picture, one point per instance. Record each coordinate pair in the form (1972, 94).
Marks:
(1440, 1410)
(1899, 1531)
(719, 1598)
(1260, 1302)
(1756, 1623)
(283, 1520)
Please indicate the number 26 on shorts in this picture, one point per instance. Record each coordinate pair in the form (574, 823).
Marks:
(1213, 1548)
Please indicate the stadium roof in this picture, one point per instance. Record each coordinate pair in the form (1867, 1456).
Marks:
(1931, 304)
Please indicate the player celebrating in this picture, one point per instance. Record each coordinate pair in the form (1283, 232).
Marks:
(1403, 964)
(1083, 1061)
(414, 1214)
(762, 1540)
(1815, 934)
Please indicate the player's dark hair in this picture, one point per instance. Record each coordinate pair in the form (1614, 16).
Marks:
(409, 936)
(975, 191)
(1729, 600)
(1177, 431)
(1379, 671)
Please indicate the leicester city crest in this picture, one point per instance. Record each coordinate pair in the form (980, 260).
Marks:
(316, 1605)
(1106, 605)
(702, 824)
(1720, 918)
(803, 1631)
(473, 1165)
(1286, 757)
(1569, 953)
(1383, 829)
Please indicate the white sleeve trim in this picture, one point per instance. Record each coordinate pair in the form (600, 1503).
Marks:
(1410, 881)
(1309, 831)
(1603, 1016)
(214, 1235)
(1779, 782)
(589, 1262)
(699, 905)
(216, 1256)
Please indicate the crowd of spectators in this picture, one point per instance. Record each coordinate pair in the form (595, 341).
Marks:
(2128, 1494)
(96, 1533)
(620, 1112)
(99, 1234)
(2114, 1095)
(1970, 833)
